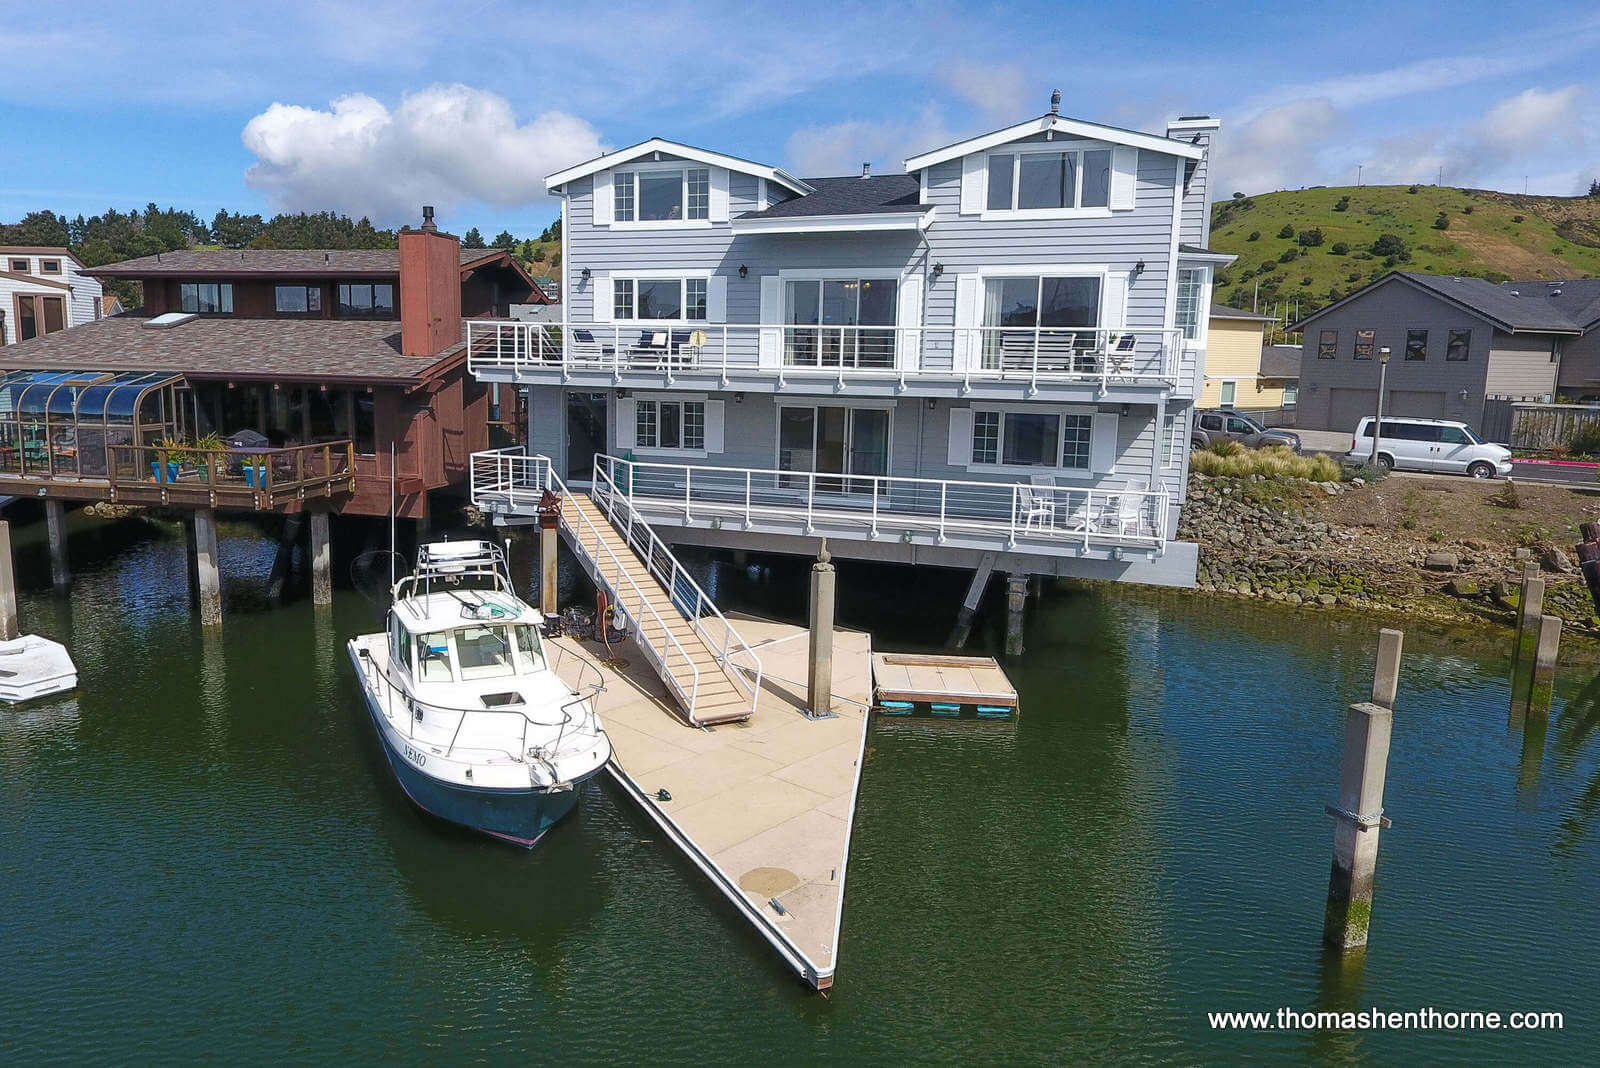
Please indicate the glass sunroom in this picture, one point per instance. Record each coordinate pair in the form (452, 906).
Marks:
(68, 424)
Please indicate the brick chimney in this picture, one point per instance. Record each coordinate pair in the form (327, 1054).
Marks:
(430, 289)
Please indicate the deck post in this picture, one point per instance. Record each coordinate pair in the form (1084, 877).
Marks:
(8, 587)
(819, 676)
(969, 604)
(205, 560)
(55, 515)
(549, 542)
(1016, 599)
(321, 560)
(1359, 813)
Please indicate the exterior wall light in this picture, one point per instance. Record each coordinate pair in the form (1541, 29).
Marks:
(1138, 269)
(586, 274)
(744, 272)
(938, 270)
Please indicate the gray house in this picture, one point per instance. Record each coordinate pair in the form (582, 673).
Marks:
(1454, 343)
(992, 357)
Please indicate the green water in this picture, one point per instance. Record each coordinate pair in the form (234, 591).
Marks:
(202, 854)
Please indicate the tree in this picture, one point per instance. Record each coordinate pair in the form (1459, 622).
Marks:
(1287, 232)
(504, 240)
(1442, 222)
(1339, 248)
(1289, 254)
(1594, 187)
(1309, 238)
(1388, 245)
(1238, 196)
(1343, 204)
(1255, 235)
(552, 232)
(473, 239)
(538, 254)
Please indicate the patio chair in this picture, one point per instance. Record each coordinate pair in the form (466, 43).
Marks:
(585, 346)
(1124, 509)
(1036, 506)
(1119, 353)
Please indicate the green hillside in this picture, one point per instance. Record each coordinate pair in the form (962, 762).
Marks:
(1339, 239)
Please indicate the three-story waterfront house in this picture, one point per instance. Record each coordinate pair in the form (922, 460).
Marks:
(990, 360)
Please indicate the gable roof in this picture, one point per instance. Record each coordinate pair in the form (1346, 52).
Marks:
(1280, 361)
(296, 261)
(880, 194)
(1512, 306)
(1222, 311)
(674, 148)
(1059, 124)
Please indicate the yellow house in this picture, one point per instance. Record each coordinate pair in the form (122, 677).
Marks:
(1235, 377)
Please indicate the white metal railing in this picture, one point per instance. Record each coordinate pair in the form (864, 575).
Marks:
(904, 354)
(1023, 514)
(518, 480)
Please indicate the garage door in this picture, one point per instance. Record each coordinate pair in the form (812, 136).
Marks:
(1420, 403)
(1347, 406)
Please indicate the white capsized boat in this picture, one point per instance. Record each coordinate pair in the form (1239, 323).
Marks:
(476, 725)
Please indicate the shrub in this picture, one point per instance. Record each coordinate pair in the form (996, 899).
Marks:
(1238, 196)
(1287, 232)
(1273, 462)
(1507, 497)
(1335, 293)
(1367, 472)
(1467, 210)
(1223, 280)
(1388, 245)
(1224, 447)
(1442, 222)
(1309, 238)
(1339, 248)
(1516, 218)
(1255, 235)
(1412, 190)
(1266, 267)
(1584, 440)
(1343, 205)
(1289, 254)
(1307, 280)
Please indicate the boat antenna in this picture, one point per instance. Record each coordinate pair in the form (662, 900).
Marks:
(392, 546)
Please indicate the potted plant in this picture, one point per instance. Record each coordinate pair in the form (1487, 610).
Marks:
(170, 454)
(255, 470)
(205, 451)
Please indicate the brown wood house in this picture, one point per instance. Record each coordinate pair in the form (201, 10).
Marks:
(312, 367)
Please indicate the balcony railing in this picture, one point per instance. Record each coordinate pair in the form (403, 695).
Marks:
(845, 354)
(1023, 515)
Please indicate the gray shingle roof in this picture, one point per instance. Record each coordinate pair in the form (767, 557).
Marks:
(336, 349)
(1222, 311)
(880, 194)
(1280, 361)
(1576, 298)
(1519, 306)
(324, 262)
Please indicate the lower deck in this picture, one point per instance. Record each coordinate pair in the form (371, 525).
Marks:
(763, 808)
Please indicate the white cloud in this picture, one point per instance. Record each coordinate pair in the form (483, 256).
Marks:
(1277, 149)
(997, 90)
(841, 147)
(444, 145)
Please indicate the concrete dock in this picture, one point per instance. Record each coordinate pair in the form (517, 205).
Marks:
(764, 807)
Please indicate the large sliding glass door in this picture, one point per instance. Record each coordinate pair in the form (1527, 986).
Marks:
(833, 440)
(829, 322)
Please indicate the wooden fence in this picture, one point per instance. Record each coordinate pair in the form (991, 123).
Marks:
(1543, 426)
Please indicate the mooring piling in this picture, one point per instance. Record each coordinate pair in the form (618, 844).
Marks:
(9, 628)
(1547, 646)
(549, 545)
(819, 676)
(321, 560)
(1359, 814)
(55, 517)
(1016, 602)
(206, 568)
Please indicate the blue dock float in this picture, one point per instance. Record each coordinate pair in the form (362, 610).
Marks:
(944, 685)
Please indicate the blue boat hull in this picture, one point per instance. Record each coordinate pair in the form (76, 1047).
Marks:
(517, 816)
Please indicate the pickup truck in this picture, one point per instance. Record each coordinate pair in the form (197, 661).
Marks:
(1212, 426)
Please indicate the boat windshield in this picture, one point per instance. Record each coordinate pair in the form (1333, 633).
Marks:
(528, 644)
(433, 657)
(484, 652)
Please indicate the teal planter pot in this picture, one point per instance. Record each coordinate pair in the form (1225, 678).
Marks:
(164, 472)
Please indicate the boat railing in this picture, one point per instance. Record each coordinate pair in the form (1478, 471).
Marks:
(479, 560)
(414, 707)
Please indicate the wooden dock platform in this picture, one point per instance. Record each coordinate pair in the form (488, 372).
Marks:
(763, 807)
(926, 678)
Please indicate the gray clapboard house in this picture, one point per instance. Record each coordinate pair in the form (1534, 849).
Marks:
(989, 359)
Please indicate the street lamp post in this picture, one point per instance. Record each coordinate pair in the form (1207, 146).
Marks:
(1377, 423)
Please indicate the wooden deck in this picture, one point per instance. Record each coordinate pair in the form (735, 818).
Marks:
(927, 678)
(763, 807)
(720, 698)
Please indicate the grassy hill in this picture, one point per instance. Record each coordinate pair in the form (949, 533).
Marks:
(1488, 234)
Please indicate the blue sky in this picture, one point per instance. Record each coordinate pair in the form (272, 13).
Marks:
(375, 109)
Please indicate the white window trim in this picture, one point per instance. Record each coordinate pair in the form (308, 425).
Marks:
(1087, 474)
(1223, 383)
(684, 166)
(660, 451)
(1046, 148)
(660, 276)
(1102, 271)
(1202, 308)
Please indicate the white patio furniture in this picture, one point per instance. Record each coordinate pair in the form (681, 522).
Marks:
(1036, 505)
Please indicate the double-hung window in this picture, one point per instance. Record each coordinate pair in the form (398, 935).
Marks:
(655, 299)
(1191, 284)
(1327, 344)
(1030, 181)
(1416, 344)
(1456, 350)
(1364, 343)
(670, 424)
(653, 195)
(1031, 439)
(206, 298)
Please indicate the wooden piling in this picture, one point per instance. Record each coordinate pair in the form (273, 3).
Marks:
(9, 628)
(321, 560)
(1547, 645)
(55, 516)
(206, 567)
(1359, 813)
(1016, 601)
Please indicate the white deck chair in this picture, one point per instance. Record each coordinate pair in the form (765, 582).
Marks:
(1036, 503)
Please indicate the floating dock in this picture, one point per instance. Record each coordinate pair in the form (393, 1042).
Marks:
(763, 807)
(943, 682)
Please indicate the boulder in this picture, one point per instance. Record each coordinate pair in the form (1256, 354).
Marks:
(1441, 562)
(1462, 587)
(1326, 599)
(1551, 558)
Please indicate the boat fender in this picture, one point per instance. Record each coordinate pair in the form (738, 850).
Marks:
(662, 795)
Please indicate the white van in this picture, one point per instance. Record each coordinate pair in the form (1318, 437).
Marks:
(1410, 444)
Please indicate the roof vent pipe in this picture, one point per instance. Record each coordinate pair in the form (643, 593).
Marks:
(427, 219)
(866, 169)
(1055, 101)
